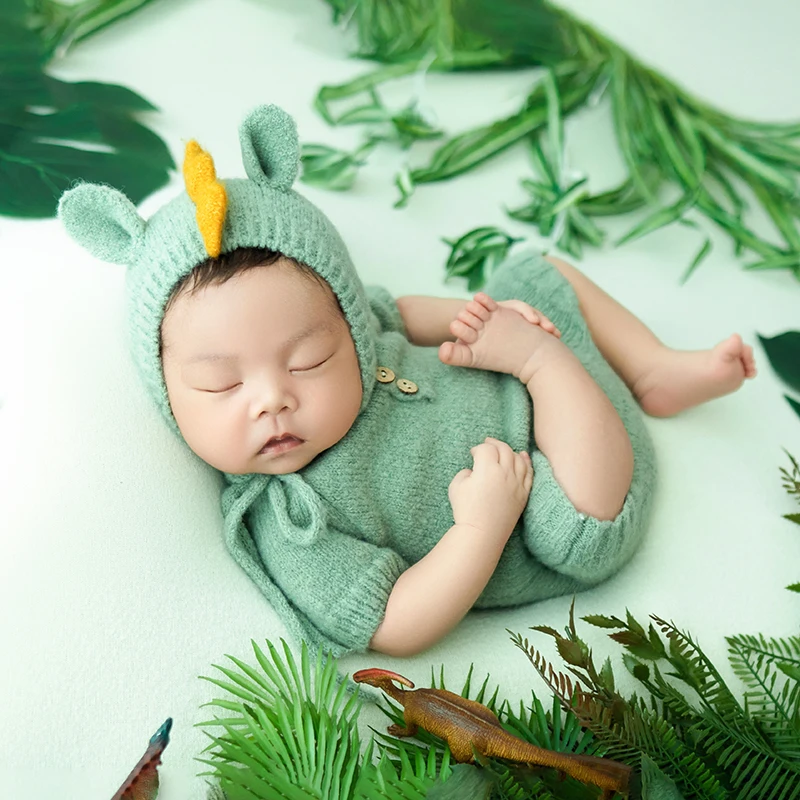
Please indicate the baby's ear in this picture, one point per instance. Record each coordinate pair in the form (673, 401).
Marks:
(103, 220)
(270, 147)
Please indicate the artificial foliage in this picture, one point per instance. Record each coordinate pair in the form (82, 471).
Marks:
(52, 132)
(685, 159)
(289, 729)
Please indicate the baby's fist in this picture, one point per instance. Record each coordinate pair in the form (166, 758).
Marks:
(492, 495)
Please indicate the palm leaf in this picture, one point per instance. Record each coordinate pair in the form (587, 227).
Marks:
(295, 728)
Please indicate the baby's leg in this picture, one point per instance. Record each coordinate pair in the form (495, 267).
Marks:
(663, 380)
(575, 424)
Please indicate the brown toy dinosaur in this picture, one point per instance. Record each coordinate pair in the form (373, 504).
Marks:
(466, 725)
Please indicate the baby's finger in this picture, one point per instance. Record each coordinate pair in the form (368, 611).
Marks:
(485, 454)
(522, 464)
(504, 452)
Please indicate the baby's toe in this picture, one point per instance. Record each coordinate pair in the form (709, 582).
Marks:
(463, 331)
(485, 300)
(468, 318)
(455, 354)
(478, 310)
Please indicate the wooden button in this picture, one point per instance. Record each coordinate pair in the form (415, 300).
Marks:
(384, 375)
(407, 387)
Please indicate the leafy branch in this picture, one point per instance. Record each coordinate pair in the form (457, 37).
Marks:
(669, 139)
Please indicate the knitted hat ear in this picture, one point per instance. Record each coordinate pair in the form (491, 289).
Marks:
(270, 147)
(102, 220)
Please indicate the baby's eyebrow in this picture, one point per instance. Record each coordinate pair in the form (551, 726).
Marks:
(298, 337)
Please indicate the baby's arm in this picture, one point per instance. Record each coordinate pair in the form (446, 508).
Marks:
(432, 596)
(427, 319)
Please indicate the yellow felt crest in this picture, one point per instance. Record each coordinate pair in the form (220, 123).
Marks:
(208, 195)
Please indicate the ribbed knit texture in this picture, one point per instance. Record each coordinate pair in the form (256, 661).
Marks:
(326, 545)
(262, 211)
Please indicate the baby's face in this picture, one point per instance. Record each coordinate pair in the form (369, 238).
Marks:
(261, 371)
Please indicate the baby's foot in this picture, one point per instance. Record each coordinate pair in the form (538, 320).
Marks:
(681, 379)
(495, 337)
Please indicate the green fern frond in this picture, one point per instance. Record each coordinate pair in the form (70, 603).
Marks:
(696, 669)
(761, 664)
(563, 687)
(648, 733)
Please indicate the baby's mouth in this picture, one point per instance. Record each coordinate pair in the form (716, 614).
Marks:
(280, 444)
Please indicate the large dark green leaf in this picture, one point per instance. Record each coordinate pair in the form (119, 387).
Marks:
(54, 133)
(98, 126)
(783, 352)
(33, 175)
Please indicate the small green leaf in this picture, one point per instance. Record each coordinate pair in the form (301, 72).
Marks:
(410, 125)
(466, 780)
(607, 676)
(658, 219)
(793, 518)
(781, 261)
(794, 587)
(639, 670)
(574, 653)
(792, 670)
(477, 253)
(405, 185)
(327, 167)
(600, 621)
(794, 404)
(700, 256)
(783, 352)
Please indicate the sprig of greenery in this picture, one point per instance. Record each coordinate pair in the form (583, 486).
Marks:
(476, 254)
(669, 139)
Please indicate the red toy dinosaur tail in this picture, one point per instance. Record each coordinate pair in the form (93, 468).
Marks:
(142, 783)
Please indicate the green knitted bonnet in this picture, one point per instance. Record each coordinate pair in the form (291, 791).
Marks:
(260, 211)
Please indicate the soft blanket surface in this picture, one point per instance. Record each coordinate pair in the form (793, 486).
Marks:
(116, 590)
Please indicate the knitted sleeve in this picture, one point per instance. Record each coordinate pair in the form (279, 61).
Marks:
(386, 314)
(339, 583)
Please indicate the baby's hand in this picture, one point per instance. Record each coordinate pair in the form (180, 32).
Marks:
(492, 495)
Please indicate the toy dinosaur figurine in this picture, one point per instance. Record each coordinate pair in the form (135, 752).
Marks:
(469, 727)
(142, 783)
